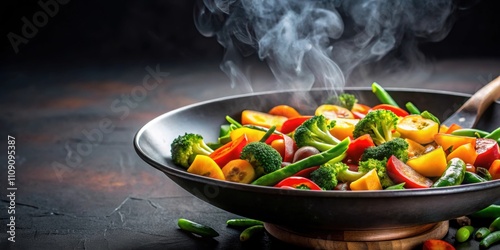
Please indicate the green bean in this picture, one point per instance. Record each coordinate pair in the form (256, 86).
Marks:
(490, 239)
(470, 132)
(268, 133)
(481, 233)
(336, 153)
(495, 135)
(250, 232)
(234, 122)
(492, 211)
(428, 115)
(463, 233)
(470, 177)
(495, 225)
(382, 95)
(243, 222)
(412, 108)
(196, 228)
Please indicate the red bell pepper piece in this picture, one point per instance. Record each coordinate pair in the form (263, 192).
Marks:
(292, 123)
(487, 151)
(357, 147)
(289, 147)
(398, 111)
(399, 172)
(229, 151)
(298, 182)
(360, 110)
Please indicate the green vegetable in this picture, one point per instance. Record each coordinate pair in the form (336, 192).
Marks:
(328, 175)
(382, 95)
(233, 122)
(397, 147)
(481, 233)
(495, 134)
(243, 222)
(397, 186)
(492, 211)
(347, 100)
(463, 233)
(427, 115)
(453, 175)
(490, 239)
(250, 232)
(412, 108)
(334, 154)
(185, 147)
(470, 177)
(196, 228)
(483, 173)
(268, 133)
(379, 124)
(381, 167)
(264, 158)
(472, 132)
(316, 132)
(495, 225)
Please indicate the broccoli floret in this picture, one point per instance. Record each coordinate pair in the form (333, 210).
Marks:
(185, 147)
(397, 147)
(379, 124)
(329, 174)
(315, 132)
(344, 100)
(381, 168)
(264, 158)
(347, 100)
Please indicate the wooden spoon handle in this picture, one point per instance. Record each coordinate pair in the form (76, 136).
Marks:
(484, 97)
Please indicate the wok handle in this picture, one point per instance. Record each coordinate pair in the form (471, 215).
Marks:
(484, 97)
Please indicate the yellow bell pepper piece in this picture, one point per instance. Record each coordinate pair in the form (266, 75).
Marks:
(252, 134)
(343, 128)
(431, 164)
(331, 111)
(252, 117)
(415, 149)
(369, 181)
(206, 166)
(466, 152)
(417, 128)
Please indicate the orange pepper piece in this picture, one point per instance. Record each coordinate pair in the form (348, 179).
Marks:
(343, 128)
(451, 142)
(284, 110)
(495, 169)
(369, 181)
(466, 152)
(206, 166)
(431, 164)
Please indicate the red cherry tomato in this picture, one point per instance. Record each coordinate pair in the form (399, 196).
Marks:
(298, 182)
(399, 172)
(229, 151)
(487, 151)
(398, 111)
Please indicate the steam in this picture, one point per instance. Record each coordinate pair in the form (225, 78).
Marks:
(314, 43)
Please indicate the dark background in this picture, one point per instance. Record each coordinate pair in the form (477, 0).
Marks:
(107, 33)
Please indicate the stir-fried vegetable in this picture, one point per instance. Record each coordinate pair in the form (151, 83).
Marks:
(343, 145)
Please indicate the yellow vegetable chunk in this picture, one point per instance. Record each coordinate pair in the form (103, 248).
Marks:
(466, 152)
(431, 164)
(369, 181)
(415, 149)
(252, 134)
(417, 128)
(206, 166)
(331, 111)
(239, 170)
(252, 117)
(343, 128)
